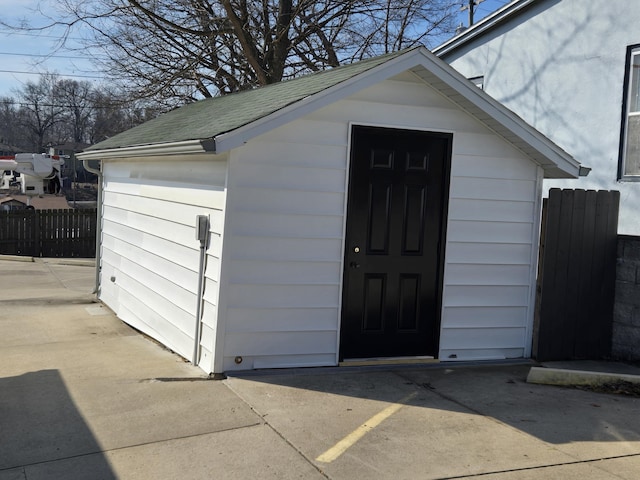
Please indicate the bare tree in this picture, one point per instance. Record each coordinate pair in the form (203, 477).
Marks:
(180, 50)
(10, 133)
(76, 102)
(38, 111)
(56, 111)
(109, 116)
(113, 113)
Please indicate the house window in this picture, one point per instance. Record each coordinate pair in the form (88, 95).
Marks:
(630, 137)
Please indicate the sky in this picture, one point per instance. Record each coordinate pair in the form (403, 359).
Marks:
(23, 56)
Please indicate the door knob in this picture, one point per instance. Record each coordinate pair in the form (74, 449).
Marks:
(354, 265)
(356, 249)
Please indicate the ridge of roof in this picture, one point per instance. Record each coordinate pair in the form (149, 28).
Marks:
(205, 119)
(223, 123)
(500, 16)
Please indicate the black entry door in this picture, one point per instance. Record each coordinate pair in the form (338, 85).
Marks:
(394, 247)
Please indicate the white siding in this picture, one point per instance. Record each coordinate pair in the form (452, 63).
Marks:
(150, 257)
(281, 283)
(492, 240)
(283, 252)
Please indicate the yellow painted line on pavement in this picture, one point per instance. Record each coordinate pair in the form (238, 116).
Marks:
(350, 440)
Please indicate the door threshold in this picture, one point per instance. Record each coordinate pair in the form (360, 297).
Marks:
(362, 362)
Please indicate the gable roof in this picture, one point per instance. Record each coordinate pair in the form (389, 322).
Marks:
(211, 117)
(222, 123)
(499, 17)
(39, 202)
(10, 201)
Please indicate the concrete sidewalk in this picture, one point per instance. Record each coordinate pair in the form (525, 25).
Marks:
(84, 396)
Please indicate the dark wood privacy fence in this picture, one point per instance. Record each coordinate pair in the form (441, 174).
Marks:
(576, 282)
(48, 233)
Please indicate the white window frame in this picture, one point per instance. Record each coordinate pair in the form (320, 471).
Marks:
(633, 55)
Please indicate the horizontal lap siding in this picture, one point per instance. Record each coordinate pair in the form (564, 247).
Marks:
(284, 247)
(284, 233)
(492, 225)
(150, 257)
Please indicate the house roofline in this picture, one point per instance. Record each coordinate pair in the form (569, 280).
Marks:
(485, 25)
(556, 162)
(562, 165)
(235, 138)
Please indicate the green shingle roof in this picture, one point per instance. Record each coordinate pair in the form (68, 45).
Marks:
(205, 119)
(223, 123)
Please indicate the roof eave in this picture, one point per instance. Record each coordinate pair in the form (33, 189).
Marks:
(484, 25)
(503, 121)
(555, 162)
(187, 147)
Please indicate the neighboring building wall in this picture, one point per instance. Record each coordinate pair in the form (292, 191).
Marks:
(561, 66)
(626, 313)
(150, 256)
(282, 269)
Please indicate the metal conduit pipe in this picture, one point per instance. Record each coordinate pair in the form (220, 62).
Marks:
(97, 172)
(202, 235)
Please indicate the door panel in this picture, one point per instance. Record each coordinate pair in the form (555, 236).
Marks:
(413, 224)
(379, 219)
(396, 214)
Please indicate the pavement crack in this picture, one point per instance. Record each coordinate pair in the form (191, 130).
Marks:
(266, 422)
(430, 388)
(177, 379)
(297, 450)
(539, 467)
(125, 447)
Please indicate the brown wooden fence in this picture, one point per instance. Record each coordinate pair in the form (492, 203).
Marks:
(576, 281)
(48, 233)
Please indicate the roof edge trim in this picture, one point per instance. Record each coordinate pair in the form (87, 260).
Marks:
(508, 119)
(174, 148)
(481, 27)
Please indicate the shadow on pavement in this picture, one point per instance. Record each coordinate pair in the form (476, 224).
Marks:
(555, 415)
(40, 423)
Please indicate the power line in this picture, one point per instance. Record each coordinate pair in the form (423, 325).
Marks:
(478, 9)
(486, 9)
(471, 7)
(36, 35)
(61, 74)
(43, 55)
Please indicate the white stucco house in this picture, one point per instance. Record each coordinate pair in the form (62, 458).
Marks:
(571, 69)
(383, 209)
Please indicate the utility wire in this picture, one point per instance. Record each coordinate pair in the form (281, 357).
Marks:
(44, 55)
(35, 35)
(60, 74)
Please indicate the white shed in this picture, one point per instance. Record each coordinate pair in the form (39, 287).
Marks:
(388, 208)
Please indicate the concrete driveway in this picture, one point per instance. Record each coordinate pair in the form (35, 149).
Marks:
(84, 396)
